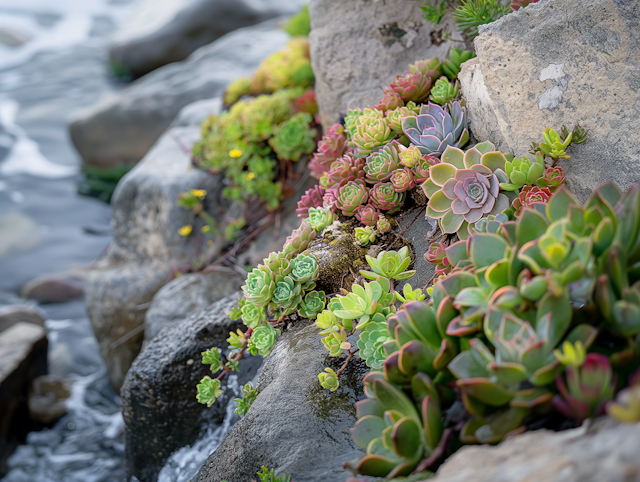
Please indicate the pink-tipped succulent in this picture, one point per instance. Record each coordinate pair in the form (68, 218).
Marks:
(306, 103)
(411, 86)
(473, 194)
(518, 4)
(384, 196)
(329, 200)
(367, 215)
(380, 164)
(299, 239)
(389, 101)
(430, 68)
(588, 388)
(402, 179)
(529, 196)
(332, 146)
(421, 167)
(437, 256)
(310, 199)
(351, 196)
(553, 178)
(343, 170)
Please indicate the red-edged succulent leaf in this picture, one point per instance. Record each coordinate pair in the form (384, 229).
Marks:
(366, 429)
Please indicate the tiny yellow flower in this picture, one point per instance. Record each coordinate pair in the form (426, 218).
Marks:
(206, 229)
(250, 176)
(235, 153)
(199, 193)
(185, 230)
(210, 242)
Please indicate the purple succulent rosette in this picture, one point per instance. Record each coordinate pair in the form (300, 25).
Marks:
(436, 128)
(402, 180)
(332, 146)
(313, 198)
(351, 196)
(384, 196)
(474, 193)
(367, 215)
(343, 170)
(411, 86)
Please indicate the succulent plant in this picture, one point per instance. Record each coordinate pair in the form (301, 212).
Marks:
(411, 86)
(365, 235)
(402, 180)
(529, 197)
(553, 178)
(336, 341)
(208, 391)
(352, 195)
(490, 224)
(588, 388)
(389, 101)
(523, 171)
(367, 215)
(294, 137)
(345, 169)
(390, 265)
(312, 198)
(252, 315)
(249, 394)
(332, 146)
(464, 187)
(259, 286)
(578, 135)
(422, 166)
(306, 103)
(394, 117)
(353, 118)
(444, 91)
(263, 339)
(451, 67)
(304, 269)
(287, 295)
(299, 239)
(409, 294)
(320, 218)
(381, 163)
(553, 145)
(375, 132)
(572, 354)
(363, 302)
(330, 200)
(371, 342)
(312, 304)
(429, 67)
(383, 224)
(384, 196)
(236, 89)
(212, 357)
(626, 408)
(518, 4)
(409, 156)
(437, 255)
(436, 128)
(329, 380)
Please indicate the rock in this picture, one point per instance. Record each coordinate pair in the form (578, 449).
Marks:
(357, 47)
(122, 127)
(604, 451)
(158, 33)
(23, 357)
(196, 112)
(54, 288)
(159, 406)
(188, 294)
(145, 246)
(419, 230)
(562, 62)
(47, 398)
(294, 425)
(13, 314)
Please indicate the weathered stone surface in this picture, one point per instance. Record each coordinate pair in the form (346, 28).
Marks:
(357, 47)
(562, 62)
(145, 245)
(188, 294)
(54, 288)
(419, 230)
(294, 425)
(23, 357)
(159, 406)
(196, 112)
(158, 33)
(47, 398)
(122, 127)
(13, 314)
(605, 451)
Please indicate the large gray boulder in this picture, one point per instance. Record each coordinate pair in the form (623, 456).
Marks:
(294, 425)
(357, 47)
(120, 128)
(562, 62)
(159, 405)
(161, 32)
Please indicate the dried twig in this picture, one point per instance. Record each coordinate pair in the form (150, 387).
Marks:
(346, 362)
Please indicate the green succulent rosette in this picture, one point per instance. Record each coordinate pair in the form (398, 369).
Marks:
(259, 286)
(263, 339)
(294, 137)
(305, 268)
(287, 295)
(320, 218)
(312, 304)
(371, 342)
(252, 315)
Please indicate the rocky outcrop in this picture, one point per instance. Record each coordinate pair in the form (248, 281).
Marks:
(159, 406)
(357, 47)
(158, 33)
(12, 314)
(591, 453)
(562, 62)
(122, 127)
(54, 288)
(294, 425)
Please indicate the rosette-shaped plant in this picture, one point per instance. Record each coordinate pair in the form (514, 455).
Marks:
(329, 379)
(363, 302)
(444, 91)
(320, 218)
(263, 339)
(252, 315)
(490, 224)
(457, 57)
(304, 268)
(402, 180)
(590, 387)
(389, 101)
(522, 171)
(422, 166)
(430, 67)
(299, 239)
(553, 145)
(287, 295)
(390, 265)
(553, 178)
(466, 186)
(294, 137)
(367, 215)
(437, 256)
(383, 224)
(306, 103)
(411, 86)
(437, 128)
(384, 196)
(351, 196)
(409, 156)
(332, 146)
(381, 163)
(336, 341)
(529, 197)
(394, 117)
(312, 304)
(259, 286)
(343, 170)
(310, 199)
(365, 235)
(373, 133)
(330, 200)
(371, 342)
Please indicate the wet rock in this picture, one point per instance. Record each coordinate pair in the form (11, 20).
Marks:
(188, 294)
(158, 33)
(11, 315)
(23, 357)
(357, 47)
(604, 451)
(294, 425)
(145, 246)
(122, 127)
(159, 406)
(562, 62)
(47, 398)
(54, 288)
